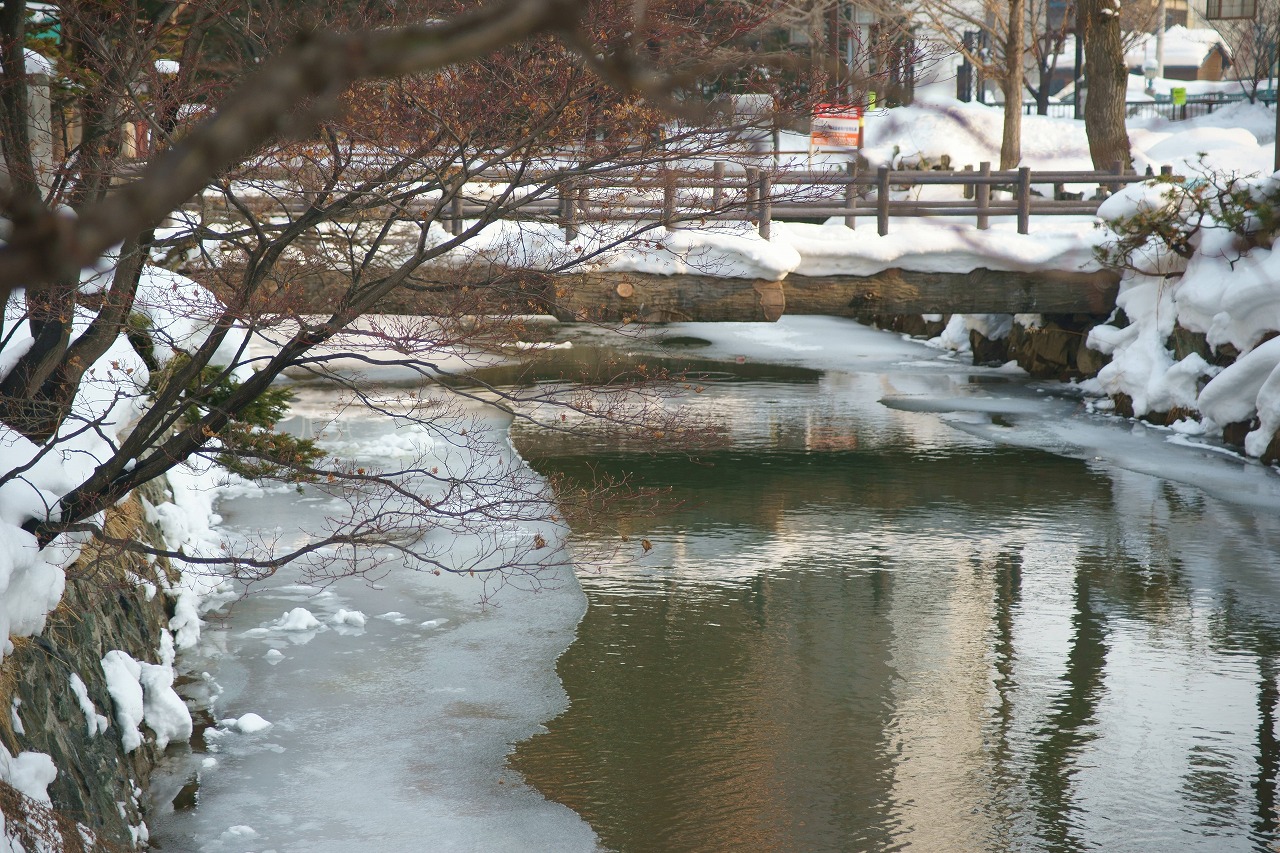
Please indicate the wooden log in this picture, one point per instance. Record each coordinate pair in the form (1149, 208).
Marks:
(655, 298)
(981, 291)
(648, 298)
(596, 297)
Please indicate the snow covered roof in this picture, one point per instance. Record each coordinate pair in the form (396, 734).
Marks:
(36, 63)
(1182, 47)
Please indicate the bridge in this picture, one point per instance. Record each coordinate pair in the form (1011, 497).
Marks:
(727, 192)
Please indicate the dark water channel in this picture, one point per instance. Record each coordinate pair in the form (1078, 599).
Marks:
(871, 628)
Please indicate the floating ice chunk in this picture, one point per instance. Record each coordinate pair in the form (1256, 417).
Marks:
(248, 724)
(274, 655)
(297, 619)
(349, 617)
(240, 832)
(434, 623)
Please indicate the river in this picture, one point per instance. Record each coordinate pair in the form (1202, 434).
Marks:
(910, 604)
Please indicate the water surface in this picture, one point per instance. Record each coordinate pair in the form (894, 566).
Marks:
(870, 630)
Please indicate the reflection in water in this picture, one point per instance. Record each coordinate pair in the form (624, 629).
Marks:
(1264, 784)
(867, 633)
(1067, 729)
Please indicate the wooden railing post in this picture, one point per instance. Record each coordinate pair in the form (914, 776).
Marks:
(717, 184)
(1166, 171)
(568, 212)
(455, 214)
(668, 198)
(753, 180)
(1024, 200)
(851, 194)
(968, 188)
(766, 205)
(983, 191)
(1117, 168)
(882, 200)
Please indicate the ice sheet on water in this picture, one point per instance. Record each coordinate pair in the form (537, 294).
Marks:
(423, 719)
(817, 342)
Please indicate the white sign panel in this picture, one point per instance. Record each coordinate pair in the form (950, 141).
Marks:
(836, 128)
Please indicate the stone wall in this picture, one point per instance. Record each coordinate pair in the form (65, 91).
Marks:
(112, 601)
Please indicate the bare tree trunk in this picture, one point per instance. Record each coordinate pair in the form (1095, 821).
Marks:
(15, 135)
(1108, 84)
(1011, 85)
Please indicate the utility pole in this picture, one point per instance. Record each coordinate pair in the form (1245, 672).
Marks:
(1216, 10)
(1079, 71)
(1162, 21)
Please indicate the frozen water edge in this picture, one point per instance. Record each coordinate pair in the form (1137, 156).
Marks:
(1053, 420)
(391, 735)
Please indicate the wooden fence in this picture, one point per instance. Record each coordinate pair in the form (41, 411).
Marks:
(761, 196)
(681, 197)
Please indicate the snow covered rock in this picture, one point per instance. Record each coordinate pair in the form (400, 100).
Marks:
(143, 693)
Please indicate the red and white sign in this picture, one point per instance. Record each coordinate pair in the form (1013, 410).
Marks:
(836, 128)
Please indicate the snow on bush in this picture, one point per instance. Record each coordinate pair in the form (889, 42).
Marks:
(1197, 256)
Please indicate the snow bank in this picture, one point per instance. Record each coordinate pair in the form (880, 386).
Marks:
(969, 133)
(931, 246)
(112, 395)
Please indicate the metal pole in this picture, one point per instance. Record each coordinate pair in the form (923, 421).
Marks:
(1276, 91)
(1162, 21)
(1079, 98)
